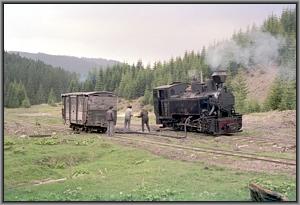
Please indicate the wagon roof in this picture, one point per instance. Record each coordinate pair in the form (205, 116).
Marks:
(87, 93)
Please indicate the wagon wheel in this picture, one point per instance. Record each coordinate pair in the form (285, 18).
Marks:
(104, 129)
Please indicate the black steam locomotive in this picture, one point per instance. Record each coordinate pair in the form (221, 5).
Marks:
(204, 107)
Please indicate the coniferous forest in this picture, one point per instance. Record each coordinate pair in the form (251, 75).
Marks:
(28, 82)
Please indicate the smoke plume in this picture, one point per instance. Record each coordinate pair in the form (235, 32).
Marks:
(259, 48)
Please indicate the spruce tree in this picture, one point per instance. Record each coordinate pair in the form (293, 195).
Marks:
(252, 106)
(274, 97)
(26, 102)
(288, 97)
(147, 97)
(13, 100)
(240, 91)
(99, 81)
(21, 92)
(73, 86)
(51, 98)
(40, 95)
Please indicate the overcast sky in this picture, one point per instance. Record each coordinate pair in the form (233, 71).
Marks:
(126, 32)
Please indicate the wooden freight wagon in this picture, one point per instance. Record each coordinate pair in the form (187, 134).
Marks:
(86, 110)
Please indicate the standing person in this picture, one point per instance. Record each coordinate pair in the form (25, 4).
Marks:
(110, 118)
(145, 118)
(128, 116)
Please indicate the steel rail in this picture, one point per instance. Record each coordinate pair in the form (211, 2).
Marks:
(177, 137)
(261, 139)
(214, 151)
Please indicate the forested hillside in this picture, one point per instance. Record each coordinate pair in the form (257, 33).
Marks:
(271, 44)
(70, 63)
(32, 81)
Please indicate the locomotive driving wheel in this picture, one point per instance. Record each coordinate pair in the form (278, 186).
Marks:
(203, 122)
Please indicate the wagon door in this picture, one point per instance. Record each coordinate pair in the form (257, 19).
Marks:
(67, 109)
(80, 104)
(85, 109)
(97, 107)
(106, 102)
(73, 109)
(95, 113)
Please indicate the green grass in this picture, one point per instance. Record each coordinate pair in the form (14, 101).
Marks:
(97, 169)
(43, 114)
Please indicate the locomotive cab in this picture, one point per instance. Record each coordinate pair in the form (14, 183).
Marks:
(161, 96)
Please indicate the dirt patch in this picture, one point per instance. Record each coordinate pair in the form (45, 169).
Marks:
(259, 81)
(27, 128)
(136, 106)
(34, 114)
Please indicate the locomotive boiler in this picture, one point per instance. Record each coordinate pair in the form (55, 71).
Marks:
(204, 107)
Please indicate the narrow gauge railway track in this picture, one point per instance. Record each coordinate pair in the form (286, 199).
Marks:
(262, 140)
(243, 138)
(152, 134)
(210, 150)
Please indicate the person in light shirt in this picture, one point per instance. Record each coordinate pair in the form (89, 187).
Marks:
(128, 115)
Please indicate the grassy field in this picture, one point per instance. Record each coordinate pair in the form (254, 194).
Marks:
(92, 167)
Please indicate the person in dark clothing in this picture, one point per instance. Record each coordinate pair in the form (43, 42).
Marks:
(110, 118)
(145, 119)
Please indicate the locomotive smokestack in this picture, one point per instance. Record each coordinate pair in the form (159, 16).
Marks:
(219, 76)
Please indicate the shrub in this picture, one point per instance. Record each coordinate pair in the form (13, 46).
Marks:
(253, 106)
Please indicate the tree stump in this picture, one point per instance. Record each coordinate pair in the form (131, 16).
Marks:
(259, 193)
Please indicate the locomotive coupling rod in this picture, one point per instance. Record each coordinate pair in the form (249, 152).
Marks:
(185, 123)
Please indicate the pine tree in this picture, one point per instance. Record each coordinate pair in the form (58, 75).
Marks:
(99, 81)
(272, 25)
(21, 92)
(288, 97)
(253, 106)
(40, 95)
(13, 97)
(274, 96)
(140, 82)
(148, 98)
(240, 91)
(51, 98)
(26, 102)
(73, 86)
(90, 82)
